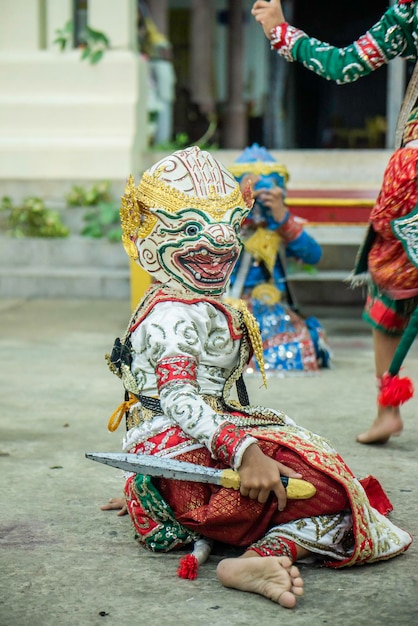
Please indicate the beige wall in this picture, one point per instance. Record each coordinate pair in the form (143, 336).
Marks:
(60, 117)
(19, 25)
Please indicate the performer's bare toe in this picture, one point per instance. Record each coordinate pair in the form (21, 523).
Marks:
(387, 424)
(273, 577)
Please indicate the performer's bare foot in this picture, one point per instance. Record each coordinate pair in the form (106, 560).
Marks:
(388, 423)
(114, 504)
(276, 578)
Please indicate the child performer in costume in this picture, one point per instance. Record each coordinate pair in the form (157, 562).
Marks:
(183, 352)
(389, 262)
(392, 298)
(291, 344)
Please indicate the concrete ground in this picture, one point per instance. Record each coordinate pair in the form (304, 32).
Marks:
(63, 562)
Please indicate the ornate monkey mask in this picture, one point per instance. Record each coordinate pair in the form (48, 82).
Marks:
(181, 223)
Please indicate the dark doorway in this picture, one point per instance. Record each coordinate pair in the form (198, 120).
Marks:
(328, 115)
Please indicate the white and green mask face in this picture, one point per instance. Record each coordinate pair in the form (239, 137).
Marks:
(181, 223)
(191, 250)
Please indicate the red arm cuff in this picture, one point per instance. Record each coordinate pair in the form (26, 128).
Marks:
(283, 37)
(176, 369)
(229, 444)
(290, 229)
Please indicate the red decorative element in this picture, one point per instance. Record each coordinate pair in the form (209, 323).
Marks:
(188, 567)
(405, 1)
(274, 545)
(277, 35)
(389, 265)
(395, 390)
(370, 51)
(226, 442)
(248, 195)
(376, 495)
(179, 369)
(165, 443)
(283, 38)
(144, 525)
(291, 229)
(331, 206)
(383, 316)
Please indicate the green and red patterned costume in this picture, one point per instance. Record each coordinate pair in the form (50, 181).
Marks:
(390, 251)
(389, 255)
(395, 34)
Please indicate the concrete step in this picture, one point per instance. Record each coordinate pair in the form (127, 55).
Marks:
(318, 275)
(73, 267)
(81, 267)
(73, 251)
(64, 282)
(337, 234)
(327, 289)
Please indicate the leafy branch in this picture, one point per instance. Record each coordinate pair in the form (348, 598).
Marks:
(82, 196)
(103, 221)
(96, 42)
(64, 36)
(31, 219)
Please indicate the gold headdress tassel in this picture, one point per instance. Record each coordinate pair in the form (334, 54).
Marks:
(136, 219)
(254, 334)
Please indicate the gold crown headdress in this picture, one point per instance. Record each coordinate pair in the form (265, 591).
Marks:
(188, 178)
(258, 161)
(259, 168)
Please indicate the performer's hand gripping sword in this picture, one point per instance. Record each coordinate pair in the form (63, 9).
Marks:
(296, 488)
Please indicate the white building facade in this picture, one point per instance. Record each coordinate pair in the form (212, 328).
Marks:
(63, 119)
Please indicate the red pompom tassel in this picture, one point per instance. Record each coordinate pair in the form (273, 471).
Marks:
(188, 566)
(395, 391)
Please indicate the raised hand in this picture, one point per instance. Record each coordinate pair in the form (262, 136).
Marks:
(268, 14)
(273, 199)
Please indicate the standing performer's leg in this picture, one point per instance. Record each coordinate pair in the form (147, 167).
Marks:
(388, 420)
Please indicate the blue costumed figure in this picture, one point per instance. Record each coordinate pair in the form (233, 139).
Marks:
(272, 235)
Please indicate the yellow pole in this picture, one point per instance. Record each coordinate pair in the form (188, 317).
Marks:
(140, 281)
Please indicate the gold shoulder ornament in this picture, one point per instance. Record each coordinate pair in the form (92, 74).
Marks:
(253, 329)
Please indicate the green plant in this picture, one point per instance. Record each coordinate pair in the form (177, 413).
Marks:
(94, 47)
(96, 44)
(180, 141)
(103, 221)
(31, 219)
(64, 36)
(81, 196)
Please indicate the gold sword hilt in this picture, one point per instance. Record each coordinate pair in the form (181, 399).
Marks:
(296, 488)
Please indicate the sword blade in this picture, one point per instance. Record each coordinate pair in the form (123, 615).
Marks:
(161, 467)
